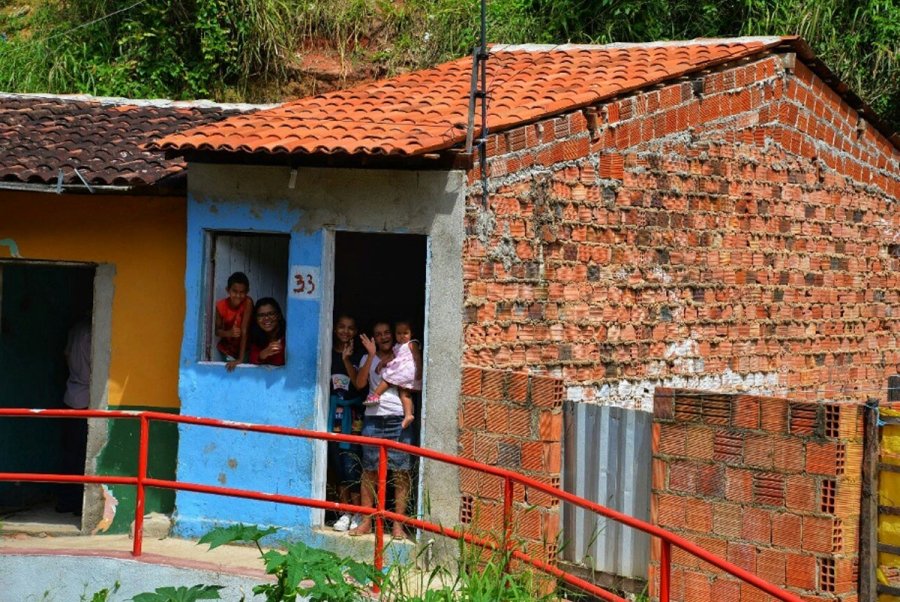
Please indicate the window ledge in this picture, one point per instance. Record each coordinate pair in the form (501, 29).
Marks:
(239, 366)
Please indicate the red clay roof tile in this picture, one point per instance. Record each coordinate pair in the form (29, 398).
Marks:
(426, 110)
(100, 137)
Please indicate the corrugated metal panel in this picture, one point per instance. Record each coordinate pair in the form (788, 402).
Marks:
(607, 460)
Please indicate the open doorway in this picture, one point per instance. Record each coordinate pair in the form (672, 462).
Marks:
(377, 277)
(41, 306)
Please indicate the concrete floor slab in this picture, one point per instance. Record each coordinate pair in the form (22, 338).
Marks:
(42, 565)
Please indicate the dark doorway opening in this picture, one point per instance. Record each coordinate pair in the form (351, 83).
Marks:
(40, 303)
(380, 277)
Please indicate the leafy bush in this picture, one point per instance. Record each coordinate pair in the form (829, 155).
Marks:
(302, 571)
(320, 576)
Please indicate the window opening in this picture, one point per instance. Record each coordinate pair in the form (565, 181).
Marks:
(263, 258)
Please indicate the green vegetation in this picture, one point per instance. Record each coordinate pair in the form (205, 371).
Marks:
(302, 572)
(180, 594)
(245, 49)
(315, 575)
(477, 576)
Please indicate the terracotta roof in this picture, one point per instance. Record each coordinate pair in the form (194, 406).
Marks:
(101, 138)
(426, 111)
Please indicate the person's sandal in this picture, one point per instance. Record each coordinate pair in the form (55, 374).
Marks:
(372, 400)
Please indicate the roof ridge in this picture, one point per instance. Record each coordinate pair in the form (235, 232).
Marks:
(143, 102)
(628, 45)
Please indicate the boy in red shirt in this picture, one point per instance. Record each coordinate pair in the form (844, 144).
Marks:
(232, 320)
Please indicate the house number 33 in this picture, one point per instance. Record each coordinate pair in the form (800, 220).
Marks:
(304, 282)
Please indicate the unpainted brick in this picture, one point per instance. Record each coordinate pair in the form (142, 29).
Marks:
(739, 484)
(787, 531)
(746, 412)
(550, 425)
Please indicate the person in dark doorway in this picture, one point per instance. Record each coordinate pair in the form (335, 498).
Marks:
(267, 333)
(76, 397)
(345, 416)
(383, 421)
(232, 320)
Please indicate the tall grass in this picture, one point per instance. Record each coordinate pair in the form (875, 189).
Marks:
(478, 575)
(230, 48)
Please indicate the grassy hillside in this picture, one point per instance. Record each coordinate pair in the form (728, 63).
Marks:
(267, 50)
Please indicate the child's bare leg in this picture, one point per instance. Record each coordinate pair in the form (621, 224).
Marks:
(408, 408)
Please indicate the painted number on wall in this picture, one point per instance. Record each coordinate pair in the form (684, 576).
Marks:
(304, 282)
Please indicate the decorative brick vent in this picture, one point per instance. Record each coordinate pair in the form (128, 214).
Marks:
(514, 421)
(769, 484)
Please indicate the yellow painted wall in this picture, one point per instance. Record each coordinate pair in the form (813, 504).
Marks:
(144, 238)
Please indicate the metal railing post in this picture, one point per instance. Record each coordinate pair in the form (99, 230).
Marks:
(382, 502)
(665, 570)
(143, 444)
(507, 521)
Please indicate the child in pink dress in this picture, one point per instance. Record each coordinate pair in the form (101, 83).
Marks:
(403, 372)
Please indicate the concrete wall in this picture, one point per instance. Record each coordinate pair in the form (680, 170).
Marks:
(60, 578)
(321, 201)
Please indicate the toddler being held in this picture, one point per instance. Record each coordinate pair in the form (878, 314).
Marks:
(403, 372)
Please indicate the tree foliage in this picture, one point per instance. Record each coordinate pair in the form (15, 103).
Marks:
(235, 49)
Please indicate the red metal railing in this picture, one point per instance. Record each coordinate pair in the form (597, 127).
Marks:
(380, 513)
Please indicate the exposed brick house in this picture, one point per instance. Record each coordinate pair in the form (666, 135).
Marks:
(713, 214)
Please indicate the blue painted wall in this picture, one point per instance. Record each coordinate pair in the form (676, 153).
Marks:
(266, 395)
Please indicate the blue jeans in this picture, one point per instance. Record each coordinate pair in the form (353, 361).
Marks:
(386, 427)
(346, 464)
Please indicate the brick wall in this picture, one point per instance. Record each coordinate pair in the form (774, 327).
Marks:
(737, 232)
(511, 420)
(769, 484)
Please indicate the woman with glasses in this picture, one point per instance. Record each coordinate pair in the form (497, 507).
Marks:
(267, 333)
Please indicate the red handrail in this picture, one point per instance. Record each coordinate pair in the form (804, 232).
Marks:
(380, 513)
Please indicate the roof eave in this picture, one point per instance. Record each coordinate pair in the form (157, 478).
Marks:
(444, 160)
(170, 186)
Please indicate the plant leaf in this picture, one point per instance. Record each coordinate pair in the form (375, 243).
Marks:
(181, 594)
(274, 560)
(239, 532)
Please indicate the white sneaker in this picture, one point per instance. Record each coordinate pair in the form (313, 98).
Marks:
(354, 521)
(343, 523)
